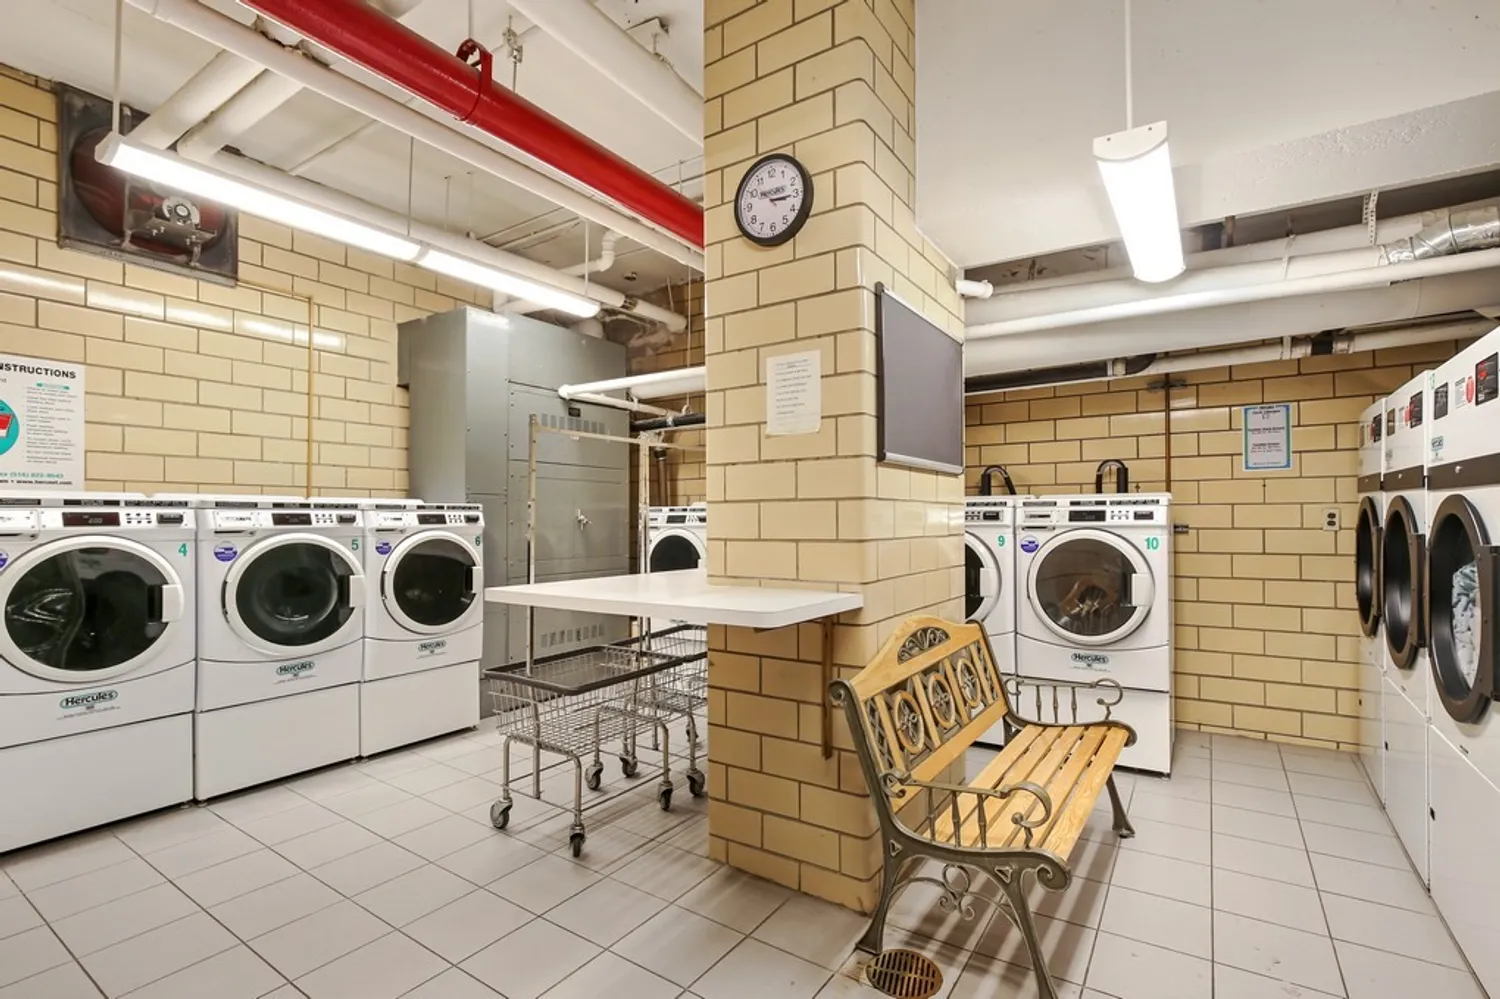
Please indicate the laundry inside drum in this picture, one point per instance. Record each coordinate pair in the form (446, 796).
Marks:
(1465, 604)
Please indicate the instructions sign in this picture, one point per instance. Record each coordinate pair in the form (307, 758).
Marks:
(1268, 437)
(794, 394)
(41, 424)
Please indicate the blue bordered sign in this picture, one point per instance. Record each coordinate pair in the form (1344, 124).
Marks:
(1267, 436)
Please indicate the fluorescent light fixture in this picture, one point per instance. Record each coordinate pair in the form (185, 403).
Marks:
(175, 172)
(485, 276)
(1137, 172)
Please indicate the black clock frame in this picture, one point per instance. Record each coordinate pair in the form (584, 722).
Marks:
(798, 220)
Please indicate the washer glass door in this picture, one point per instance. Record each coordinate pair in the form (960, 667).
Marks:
(981, 579)
(1402, 553)
(85, 609)
(1367, 566)
(293, 593)
(1090, 586)
(1461, 609)
(675, 550)
(430, 581)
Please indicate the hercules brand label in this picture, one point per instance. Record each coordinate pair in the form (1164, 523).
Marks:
(432, 648)
(1091, 660)
(90, 700)
(295, 671)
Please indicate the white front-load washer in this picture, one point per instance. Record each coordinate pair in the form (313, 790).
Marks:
(990, 582)
(424, 621)
(1403, 553)
(1462, 596)
(1096, 573)
(281, 623)
(1368, 528)
(96, 661)
(676, 539)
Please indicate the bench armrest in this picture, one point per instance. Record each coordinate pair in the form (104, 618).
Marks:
(952, 813)
(1065, 704)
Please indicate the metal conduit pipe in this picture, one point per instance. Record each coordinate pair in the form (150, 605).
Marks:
(229, 34)
(384, 46)
(269, 177)
(588, 33)
(237, 116)
(224, 76)
(679, 422)
(595, 399)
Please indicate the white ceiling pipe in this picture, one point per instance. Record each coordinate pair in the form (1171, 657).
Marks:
(652, 385)
(589, 34)
(224, 76)
(472, 249)
(973, 289)
(238, 115)
(1402, 301)
(229, 34)
(595, 399)
(1353, 343)
(1049, 294)
(1353, 279)
(603, 262)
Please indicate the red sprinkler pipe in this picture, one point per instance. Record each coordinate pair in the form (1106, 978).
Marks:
(363, 35)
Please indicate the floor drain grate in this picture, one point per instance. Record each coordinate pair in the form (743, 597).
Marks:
(905, 974)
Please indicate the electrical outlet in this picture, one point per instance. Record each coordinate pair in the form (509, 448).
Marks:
(1331, 519)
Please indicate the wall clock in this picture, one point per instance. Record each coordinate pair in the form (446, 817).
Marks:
(774, 200)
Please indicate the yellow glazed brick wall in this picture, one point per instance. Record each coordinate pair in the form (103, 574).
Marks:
(831, 82)
(193, 386)
(1266, 628)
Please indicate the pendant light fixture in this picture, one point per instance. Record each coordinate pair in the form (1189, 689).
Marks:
(1136, 167)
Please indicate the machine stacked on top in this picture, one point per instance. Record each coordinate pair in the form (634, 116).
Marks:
(157, 650)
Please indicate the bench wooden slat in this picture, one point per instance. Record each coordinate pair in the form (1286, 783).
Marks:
(949, 752)
(1062, 785)
(1069, 825)
(1031, 746)
(1040, 772)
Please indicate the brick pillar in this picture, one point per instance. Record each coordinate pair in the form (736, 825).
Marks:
(832, 82)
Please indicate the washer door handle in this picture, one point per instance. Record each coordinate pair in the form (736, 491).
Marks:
(1142, 589)
(355, 586)
(476, 579)
(173, 603)
(989, 582)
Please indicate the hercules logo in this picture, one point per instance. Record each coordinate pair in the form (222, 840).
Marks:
(432, 648)
(1090, 660)
(295, 669)
(88, 700)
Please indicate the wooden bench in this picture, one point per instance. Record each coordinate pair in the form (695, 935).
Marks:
(913, 712)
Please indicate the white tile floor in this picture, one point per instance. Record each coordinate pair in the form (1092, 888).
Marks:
(1258, 873)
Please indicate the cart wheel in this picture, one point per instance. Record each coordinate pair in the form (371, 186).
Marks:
(575, 841)
(664, 796)
(629, 765)
(500, 814)
(594, 776)
(697, 783)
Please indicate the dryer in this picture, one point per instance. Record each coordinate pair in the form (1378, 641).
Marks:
(96, 661)
(281, 627)
(676, 539)
(990, 581)
(1369, 524)
(1097, 574)
(1461, 593)
(424, 621)
(1403, 552)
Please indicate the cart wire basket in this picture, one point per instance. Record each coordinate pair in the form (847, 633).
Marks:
(575, 703)
(682, 691)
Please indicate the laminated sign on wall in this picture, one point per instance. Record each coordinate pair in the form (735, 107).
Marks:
(1268, 437)
(794, 394)
(41, 424)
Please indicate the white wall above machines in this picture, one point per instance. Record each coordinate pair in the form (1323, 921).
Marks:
(1269, 104)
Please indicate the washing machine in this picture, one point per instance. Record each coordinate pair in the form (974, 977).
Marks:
(281, 623)
(424, 621)
(1369, 523)
(1403, 553)
(96, 661)
(676, 539)
(990, 581)
(1096, 576)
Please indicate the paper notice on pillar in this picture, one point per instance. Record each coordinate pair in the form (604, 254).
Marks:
(1268, 437)
(41, 424)
(794, 394)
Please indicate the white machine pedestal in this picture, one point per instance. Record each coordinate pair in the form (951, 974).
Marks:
(61, 786)
(253, 743)
(400, 710)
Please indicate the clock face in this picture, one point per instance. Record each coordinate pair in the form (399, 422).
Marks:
(774, 199)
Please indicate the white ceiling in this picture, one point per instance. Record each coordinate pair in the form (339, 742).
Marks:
(72, 41)
(1269, 104)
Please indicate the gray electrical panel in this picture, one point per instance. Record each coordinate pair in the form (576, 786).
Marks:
(475, 380)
